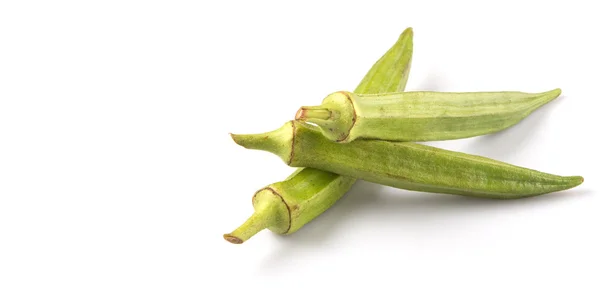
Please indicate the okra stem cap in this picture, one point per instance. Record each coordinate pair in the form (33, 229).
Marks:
(336, 115)
(270, 212)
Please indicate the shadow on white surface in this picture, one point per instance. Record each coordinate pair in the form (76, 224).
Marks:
(432, 82)
(411, 212)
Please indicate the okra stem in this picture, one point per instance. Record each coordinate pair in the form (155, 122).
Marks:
(270, 211)
(268, 140)
(259, 221)
(309, 113)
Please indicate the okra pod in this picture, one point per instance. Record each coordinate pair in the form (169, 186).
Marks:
(405, 165)
(420, 116)
(286, 206)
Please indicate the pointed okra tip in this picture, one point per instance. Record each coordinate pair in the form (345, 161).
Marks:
(406, 36)
(571, 182)
(554, 93)
(543, 98)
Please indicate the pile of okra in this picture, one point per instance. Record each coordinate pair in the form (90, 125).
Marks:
(369, 134)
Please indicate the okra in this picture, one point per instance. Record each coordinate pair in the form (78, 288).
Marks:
(405, 165)
(420, 116)
(284, 207)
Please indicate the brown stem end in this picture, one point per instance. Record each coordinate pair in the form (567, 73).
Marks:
(232, 239)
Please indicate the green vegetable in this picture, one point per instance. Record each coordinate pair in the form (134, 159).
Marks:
(420, 116)
(286, 206)
(405, 165)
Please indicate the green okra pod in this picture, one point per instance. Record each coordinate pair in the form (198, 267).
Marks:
(420, 116)
(405, 165)
(286, 206)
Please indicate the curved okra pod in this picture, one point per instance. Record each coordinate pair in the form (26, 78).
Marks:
(286, 206)
(420, 116)
(405, 165)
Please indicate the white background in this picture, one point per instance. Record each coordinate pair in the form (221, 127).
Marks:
(118, 177)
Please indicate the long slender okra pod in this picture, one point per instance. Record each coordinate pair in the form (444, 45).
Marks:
(286, 206)
(420, 116)
(405, 165)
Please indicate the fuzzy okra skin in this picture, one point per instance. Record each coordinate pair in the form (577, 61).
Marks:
(421, 116)
(406, 165)
(286, 206)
